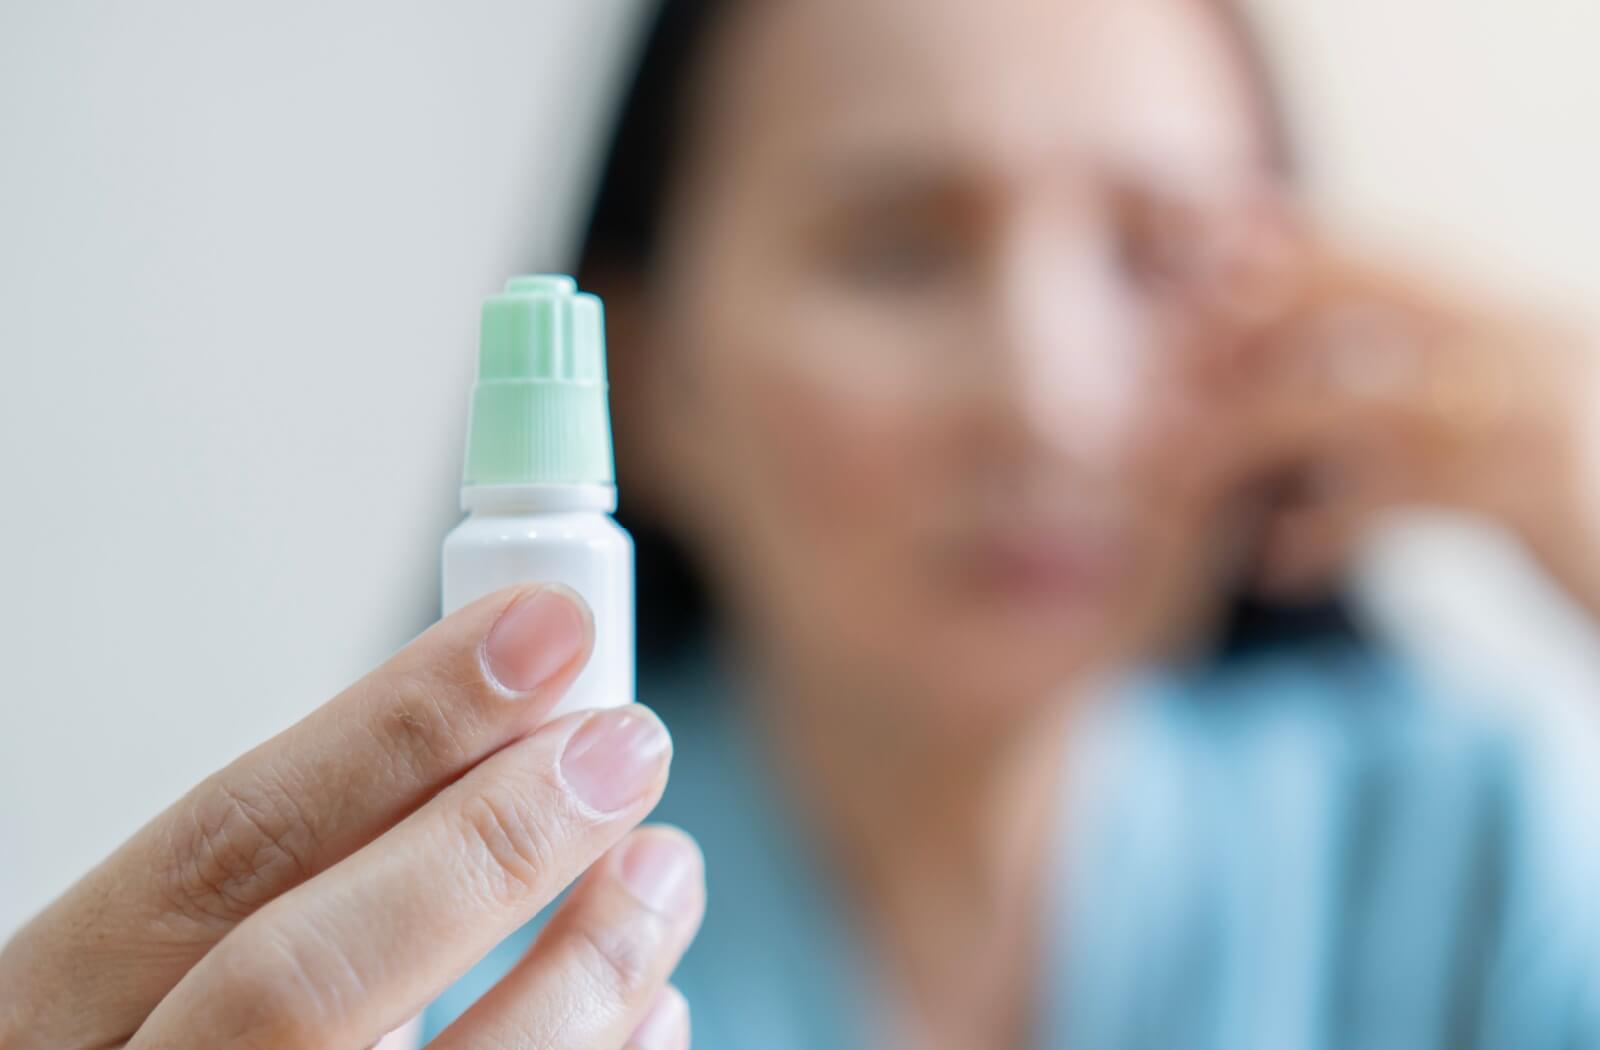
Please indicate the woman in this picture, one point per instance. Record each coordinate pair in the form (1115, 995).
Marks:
(976, 357)
(974, 353)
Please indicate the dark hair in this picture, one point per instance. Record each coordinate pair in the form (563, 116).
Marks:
(673, 605)
(625, 225)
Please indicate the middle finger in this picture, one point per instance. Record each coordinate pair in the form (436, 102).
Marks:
(354, 952)
(303, 801)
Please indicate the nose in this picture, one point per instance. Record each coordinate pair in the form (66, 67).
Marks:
(1067, 350)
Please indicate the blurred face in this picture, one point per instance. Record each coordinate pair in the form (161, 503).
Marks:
(903, 344)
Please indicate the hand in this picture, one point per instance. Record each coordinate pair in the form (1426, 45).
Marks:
(1373, 390)
(322, 889)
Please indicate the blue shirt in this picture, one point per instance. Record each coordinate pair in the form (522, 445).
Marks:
(1298, 852)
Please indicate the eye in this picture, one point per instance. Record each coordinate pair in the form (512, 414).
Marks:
(898, 253)
(1163, 249)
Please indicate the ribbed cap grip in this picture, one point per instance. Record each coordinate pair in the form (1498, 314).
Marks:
(539, 413)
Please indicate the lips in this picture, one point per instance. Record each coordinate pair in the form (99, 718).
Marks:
(1060, 562)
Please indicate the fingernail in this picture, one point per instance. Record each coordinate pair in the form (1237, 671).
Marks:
(535, 639)
(660, 868)
(665, 1027)
(615, 757)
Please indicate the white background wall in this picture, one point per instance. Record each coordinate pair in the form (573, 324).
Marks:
(241, 254)
(242, 250)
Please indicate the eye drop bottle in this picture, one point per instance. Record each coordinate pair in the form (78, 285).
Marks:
(539, 484)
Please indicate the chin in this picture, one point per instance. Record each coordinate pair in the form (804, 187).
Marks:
(1009, 675)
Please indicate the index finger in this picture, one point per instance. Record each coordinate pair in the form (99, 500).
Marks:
(298, 804)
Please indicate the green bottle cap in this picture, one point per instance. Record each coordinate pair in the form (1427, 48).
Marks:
(539, 413)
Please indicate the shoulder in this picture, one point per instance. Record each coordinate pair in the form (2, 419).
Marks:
(1462, 818)
(1369, 707)
(1375, 724)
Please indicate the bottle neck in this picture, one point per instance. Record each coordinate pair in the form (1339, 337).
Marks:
(538, 499)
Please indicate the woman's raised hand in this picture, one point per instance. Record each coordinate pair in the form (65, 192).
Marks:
(322, 889)
(1376, 388)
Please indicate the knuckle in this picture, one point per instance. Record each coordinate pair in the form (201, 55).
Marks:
(242, 846)
(512, 838)
(428, 729)
(618, 959)
(268, 996)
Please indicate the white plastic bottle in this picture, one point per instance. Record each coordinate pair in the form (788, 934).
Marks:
(539, 485)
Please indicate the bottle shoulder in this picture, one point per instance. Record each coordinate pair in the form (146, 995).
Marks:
(589, 528)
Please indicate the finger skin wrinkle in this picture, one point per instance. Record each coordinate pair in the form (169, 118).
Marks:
(324, 972)
(280, 984)
(245, 846)
(567, 1016)
(430, 738)
(617, 959)
(510, 835)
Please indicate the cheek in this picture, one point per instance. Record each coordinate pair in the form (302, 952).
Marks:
(826, 480)
(840, 457)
